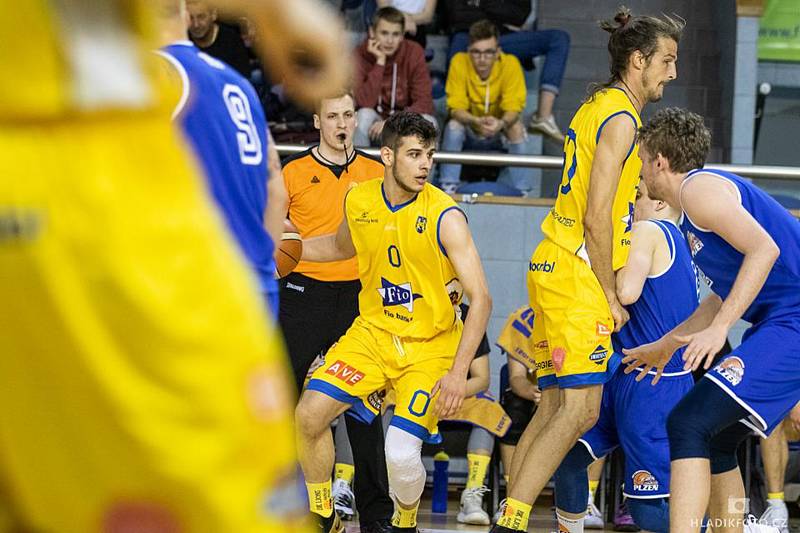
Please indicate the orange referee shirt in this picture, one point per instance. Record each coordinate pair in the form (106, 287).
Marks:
(316, 192)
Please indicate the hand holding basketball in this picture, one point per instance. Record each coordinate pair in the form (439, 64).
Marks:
(289, 251)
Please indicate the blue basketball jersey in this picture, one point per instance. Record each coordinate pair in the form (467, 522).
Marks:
(223, 119)
(667, 299)
(720, 262)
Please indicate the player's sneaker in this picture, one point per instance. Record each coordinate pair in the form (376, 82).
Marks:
(623, 521)
(593, 518)
(546, 126)
(501, 529)
(751, 525)
(499, 512)
(343, 499)
(776, 515)
(331, 524)
(379, 526)
(471, 511)
(396, 529)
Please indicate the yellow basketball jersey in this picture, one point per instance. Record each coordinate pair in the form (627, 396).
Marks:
(59, 59)
(408, 286)
(564, 224)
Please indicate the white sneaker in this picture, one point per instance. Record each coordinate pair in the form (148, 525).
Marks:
(343, 499)
(593, 518)
(776, 515)
(471, 511)
(751, 525)
(499, 512)
(546, 126)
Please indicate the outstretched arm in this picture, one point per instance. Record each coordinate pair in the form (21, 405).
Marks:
(460, 248)
(331, 247)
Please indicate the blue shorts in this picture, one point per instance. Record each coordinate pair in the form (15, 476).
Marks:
(763, 373)
(634, 415)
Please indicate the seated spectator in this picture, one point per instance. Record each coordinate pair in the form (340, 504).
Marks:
(219, 40)
(418, 14)
(391, 75)
(509, 16)
(485, 98)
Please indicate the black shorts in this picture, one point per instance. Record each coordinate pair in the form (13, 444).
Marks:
(520, 411)
(313, 315)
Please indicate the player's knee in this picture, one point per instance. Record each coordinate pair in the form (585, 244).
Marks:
(724, 447)
(582, 414)
(308, 421)
(571, 479)
(404, 464)
(689, 436)
(650, 514)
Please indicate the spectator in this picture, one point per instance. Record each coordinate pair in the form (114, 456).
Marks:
(391, 75)
(217, 39)
(485, 98)
(510, 16)
(418, 14)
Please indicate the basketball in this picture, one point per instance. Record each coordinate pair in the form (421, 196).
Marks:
(289, 250)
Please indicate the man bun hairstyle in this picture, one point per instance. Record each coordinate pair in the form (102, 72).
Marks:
(679, 135)
(407, 124)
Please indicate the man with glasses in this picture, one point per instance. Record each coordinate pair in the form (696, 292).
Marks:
(485, 98)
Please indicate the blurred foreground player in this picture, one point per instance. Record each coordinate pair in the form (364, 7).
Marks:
(142, 385)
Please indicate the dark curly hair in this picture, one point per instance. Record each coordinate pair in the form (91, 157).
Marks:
(407, 124)
(679, 135)
(631, 33)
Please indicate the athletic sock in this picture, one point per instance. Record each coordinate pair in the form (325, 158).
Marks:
(516, 515)
(477, 467)
(592, 489)
(319, 498)
(344, 472)
(569, 525)
(403, 518)
(777, 496)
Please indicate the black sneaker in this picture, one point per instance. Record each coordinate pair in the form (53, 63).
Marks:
(331, 524)
(501, 529)
(378, 526)
(396, 529)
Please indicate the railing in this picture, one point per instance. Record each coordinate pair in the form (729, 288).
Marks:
(547, 161)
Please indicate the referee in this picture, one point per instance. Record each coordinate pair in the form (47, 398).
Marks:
(319, 301)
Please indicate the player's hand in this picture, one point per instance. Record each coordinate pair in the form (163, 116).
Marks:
(375, 49)
(302, 41)
(537, 395)
(451, 388)
(703, 346)
(647, 357)
(618, 313)
(376, 129)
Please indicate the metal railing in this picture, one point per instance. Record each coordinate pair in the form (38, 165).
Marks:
(547, 161)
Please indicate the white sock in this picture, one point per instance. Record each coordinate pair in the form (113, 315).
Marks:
(776, 502)
(569, 525)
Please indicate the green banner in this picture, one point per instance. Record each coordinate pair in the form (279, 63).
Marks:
(779, 34)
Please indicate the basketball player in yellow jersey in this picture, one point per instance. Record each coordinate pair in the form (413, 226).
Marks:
(571, 281)
(143, 387)
(415, 252)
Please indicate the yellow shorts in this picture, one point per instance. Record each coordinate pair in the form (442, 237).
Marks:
(143, 381)
(573, 323)
(367, 361)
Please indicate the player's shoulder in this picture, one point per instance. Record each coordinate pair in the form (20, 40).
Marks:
(299, 160)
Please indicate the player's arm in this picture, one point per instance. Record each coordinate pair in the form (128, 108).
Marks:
(630, 278)
(726, 217)
(457, 242)
(303, 40)
(520, 383)
(612, 149)
(478, 380)
(277, 198)
(331, 247)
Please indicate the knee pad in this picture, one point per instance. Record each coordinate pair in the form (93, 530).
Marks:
(404, 465)
(650, 514)
(724, 447)
(572, 480)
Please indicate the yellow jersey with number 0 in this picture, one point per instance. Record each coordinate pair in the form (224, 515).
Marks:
(564, 223)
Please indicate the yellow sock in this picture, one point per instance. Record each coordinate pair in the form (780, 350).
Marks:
(516, 515)
(477, 467)
(592, 489)
(775, 496)
(344, 471)
(405, 517)
(319, 498)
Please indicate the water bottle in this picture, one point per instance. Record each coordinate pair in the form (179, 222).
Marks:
(441, 463)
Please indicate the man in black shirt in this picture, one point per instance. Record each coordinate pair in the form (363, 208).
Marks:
(217, 39)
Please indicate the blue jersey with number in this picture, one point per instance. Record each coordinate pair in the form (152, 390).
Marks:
(720, 262)
(667, 299)
(223, 119)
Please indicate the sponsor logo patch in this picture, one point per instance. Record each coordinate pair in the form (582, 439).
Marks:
(364, 218)
(732, 369)
(544, 266)
(644, 481)
(559, 354)
(695, 244)
(598, 355)
(422, 223)
(375, 400)
(345, 372)
(603, 330)
(402, 294)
